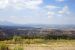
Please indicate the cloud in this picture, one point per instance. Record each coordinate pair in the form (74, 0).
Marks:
(51, 10)
(52, 7)
(34, 4)
(51, 14)
(20, 4)
(3, 4)
(30, 4)
(60, 0)
(65, 11)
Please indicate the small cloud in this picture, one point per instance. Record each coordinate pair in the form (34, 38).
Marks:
(60, 0)
(51, 14)
(65, 10)
(52, 7)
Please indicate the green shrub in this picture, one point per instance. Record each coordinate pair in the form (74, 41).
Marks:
(18, 48)
(17, 39)
(3, 47)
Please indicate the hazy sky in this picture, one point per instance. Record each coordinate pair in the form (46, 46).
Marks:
(37, 11)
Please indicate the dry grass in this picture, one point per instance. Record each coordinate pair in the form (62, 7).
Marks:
(38, 44)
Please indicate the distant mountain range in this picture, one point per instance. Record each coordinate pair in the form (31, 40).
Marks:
(6, 23)
(53, 26)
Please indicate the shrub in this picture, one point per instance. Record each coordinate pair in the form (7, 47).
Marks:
(18, 48)
(17, 39)
(3, 47)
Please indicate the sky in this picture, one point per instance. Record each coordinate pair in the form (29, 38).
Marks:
(37, 11)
